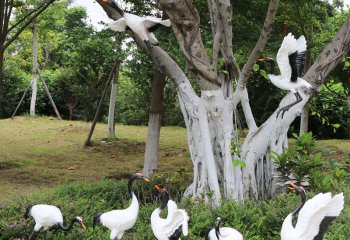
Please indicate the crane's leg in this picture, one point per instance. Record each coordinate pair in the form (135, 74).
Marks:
(33, 235)
(286, 108)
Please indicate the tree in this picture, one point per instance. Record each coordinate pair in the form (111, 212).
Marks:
(10, 32)
(209, 117)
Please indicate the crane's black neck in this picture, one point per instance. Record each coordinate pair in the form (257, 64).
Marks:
(131, 180)
(303, 200)
(217, 229)
(272, 66)
(165, 200)
(67, 228)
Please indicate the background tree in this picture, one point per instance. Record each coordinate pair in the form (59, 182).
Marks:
(9, 31)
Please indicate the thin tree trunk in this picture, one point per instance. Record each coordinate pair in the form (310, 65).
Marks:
(49, 95)
(112, 101)
(304, 120)
(35, 65)
(154, 124)
(99, 107)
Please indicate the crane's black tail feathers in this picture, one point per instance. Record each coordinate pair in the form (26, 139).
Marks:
(26, 214)
(96, 219)
(323, 227)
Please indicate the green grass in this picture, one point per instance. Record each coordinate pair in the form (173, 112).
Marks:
(38, 153)
(256, 221)
(42, 160)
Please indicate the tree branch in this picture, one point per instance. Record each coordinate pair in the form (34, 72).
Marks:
(186, 29)
(260, 45)
(8, 11)
(19, 31)
(330, 57)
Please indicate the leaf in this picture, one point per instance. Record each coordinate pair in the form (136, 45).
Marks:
(242, 164)
(256, 67)
(264, 74)
(236, 163)
(225, 72)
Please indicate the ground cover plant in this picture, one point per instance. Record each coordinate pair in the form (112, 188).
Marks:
(97, 187)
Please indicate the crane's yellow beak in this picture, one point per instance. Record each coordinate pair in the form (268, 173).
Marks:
(261, 60)
(157, 187)
(83, 226)
(145, 179)
(292, 186)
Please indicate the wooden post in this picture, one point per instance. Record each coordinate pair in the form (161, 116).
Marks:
(20, 102)
(99, 107)
(49, 95)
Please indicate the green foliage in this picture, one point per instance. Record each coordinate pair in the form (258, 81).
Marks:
(255, 220)
(300, 160)
(330, 110)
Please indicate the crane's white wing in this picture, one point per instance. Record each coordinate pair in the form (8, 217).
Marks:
(118, 26)
(288, 46)
(315, 210)
(152, 21)
(172, 207)
(43, 213)
(301, 44)
(174, 221)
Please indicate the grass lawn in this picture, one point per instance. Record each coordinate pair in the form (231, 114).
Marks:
(37, 153)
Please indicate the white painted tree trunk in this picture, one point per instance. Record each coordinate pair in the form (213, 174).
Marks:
(112, 103)
(154, 124)
(209, 118)
(304, 120)
(152, 144)
(35, 65)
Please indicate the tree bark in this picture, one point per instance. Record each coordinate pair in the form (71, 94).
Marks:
(35, 66)
(304, 118)
(154, 124)
(112, 102)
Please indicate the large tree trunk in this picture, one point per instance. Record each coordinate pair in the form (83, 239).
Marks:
(35, 66)
(154, 123)
(209, 118)
(112, 101)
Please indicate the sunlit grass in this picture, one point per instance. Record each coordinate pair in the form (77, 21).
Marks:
(37, 153)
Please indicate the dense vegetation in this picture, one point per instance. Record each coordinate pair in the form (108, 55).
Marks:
(255, 221)
(76, 59)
